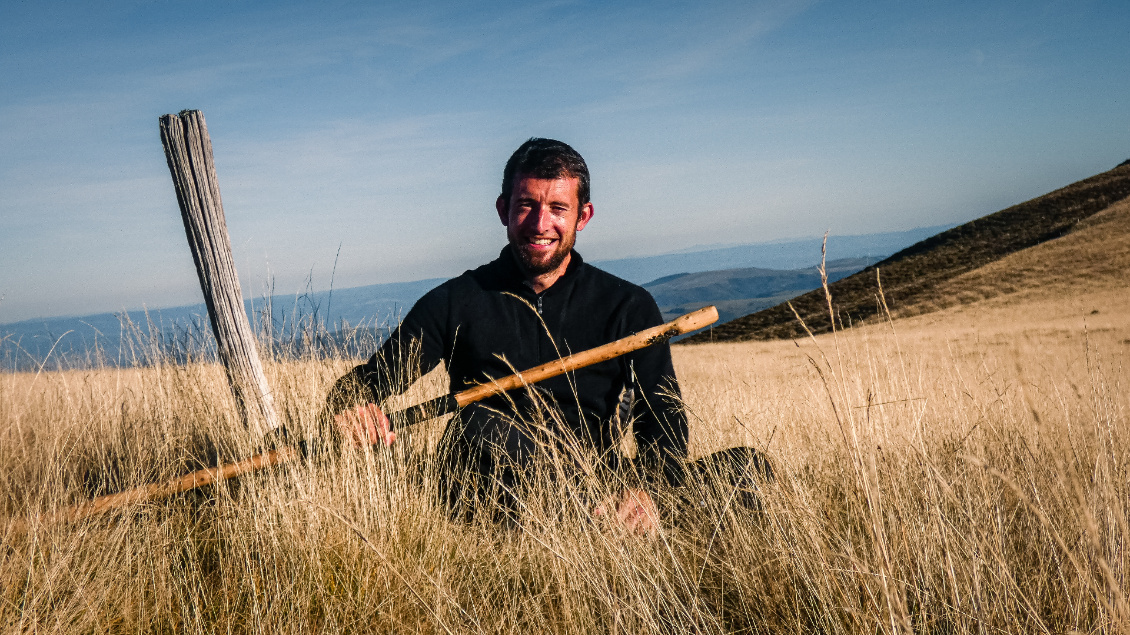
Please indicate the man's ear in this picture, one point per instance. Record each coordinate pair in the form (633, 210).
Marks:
(585, 215)
(501, 204)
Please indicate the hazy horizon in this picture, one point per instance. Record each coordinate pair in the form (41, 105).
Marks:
(691, 260)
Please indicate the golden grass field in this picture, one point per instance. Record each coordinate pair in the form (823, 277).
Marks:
(959, 471)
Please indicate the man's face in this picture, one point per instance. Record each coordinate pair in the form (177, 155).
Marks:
(542, 219)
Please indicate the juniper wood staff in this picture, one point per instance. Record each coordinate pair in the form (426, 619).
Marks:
(436, 407)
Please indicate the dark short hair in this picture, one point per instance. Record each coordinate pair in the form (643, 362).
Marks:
(546, 159)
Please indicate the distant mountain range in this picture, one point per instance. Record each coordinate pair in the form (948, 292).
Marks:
(949, 268)
(785, 255)
(739, 279)
(738, 292)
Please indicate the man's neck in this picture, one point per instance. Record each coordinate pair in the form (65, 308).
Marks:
(546, 280)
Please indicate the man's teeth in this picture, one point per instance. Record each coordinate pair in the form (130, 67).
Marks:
(541, 241)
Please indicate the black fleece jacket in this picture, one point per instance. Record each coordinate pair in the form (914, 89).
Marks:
(488, 324)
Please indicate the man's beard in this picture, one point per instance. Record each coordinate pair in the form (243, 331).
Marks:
(543, 265)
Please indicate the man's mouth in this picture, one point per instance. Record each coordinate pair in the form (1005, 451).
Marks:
(539, 254)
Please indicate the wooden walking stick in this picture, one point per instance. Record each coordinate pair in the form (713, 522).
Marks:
(436, 407)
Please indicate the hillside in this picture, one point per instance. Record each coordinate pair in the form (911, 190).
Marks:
(942, 271)
(1094, 256)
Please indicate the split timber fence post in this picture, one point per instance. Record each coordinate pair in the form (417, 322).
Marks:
(189, 153)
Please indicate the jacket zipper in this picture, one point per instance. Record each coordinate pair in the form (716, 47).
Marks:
(540, 327)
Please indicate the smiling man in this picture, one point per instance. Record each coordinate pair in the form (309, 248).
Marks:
(536, 302)
(542, 217)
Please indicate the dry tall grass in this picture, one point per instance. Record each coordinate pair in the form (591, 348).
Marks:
(931, 480)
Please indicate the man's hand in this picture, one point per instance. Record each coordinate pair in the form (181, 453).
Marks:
(635, 512)
(365, 425)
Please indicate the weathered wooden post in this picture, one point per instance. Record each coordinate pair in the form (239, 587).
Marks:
(189, 153)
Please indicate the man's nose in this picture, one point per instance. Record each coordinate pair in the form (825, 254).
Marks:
(542, 220)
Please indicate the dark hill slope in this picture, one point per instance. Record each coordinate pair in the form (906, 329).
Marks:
(912, 278)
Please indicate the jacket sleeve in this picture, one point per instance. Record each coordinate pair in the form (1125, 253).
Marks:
(417, 346)
(660, 421)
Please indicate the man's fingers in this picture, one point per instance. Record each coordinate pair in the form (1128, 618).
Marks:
(637, 513)
(370, 428)
(633, 511)
(365, 425)
(635, 519)
(347, 424)
(380, 428)
(626, 509)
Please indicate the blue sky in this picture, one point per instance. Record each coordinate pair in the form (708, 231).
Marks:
(383, 129)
